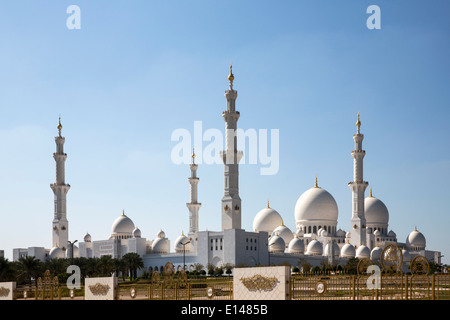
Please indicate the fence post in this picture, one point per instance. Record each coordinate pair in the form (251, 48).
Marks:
(433, 287)
(353, 288)
(406, 287)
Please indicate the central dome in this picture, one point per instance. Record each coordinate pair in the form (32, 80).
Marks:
(122, 226)
(316, 205)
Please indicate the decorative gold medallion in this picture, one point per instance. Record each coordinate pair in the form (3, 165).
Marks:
(260, 283)
(391, 258)
(99, 289)
(420, 266)
(320, 287)
(4, 292)
(133, 293)
(210, 292)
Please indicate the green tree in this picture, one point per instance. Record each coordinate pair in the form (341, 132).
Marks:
(7, 270)
(133, 262)
(105, 265)
(29, 268)
(351, 267)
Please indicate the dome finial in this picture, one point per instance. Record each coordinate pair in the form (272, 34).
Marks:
(268, 203)
(371, 192)
(316, 185)
(123, 212)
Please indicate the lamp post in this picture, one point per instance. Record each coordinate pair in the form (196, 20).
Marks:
(184, 253)
(71, 249)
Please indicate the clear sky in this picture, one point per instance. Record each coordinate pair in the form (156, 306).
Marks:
(138, 70)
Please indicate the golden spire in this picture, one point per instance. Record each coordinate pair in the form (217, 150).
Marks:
(193, 155)
(358, 123)
(231, 76)
(59, 125)
(268, 203)
(123, 212)
(316, 185)
(371, 192)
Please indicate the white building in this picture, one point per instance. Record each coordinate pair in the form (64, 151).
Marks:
(315, 240)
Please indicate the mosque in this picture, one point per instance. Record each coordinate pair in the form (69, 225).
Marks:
(316, 239)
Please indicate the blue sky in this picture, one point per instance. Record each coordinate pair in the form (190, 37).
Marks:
(138, 70)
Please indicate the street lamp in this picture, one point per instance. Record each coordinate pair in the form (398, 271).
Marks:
(71, 248)
(184, 253)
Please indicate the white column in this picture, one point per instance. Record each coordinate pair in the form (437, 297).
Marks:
(60, 225)
(231, 202)
(193, 206)
(358, 187)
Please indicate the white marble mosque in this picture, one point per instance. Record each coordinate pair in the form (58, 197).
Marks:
(316, 238)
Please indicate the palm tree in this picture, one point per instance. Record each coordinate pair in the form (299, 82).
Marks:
(7, 271)
(120, 267)
(105, 265)
(133, 262)
(29, 268)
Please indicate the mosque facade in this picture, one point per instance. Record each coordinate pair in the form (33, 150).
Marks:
(315, 240)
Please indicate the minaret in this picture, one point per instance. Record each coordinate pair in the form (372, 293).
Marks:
(231, 202)
(358, 187)
(193, 206)
(60, 188)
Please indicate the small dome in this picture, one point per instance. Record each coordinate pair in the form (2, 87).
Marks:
(182, 243)
(340, 233)
(57, 253)
(314, 248)
(161, 245)
(296, 246)
(87, 237)
(161, 234)
(363, 252)
(375, 255)
(377, 233)
(285, 233)
(316, 205)
(267, 220)
(276, 244)
(348, 235)
(375, 211)
(416, 240)
(122, 226)
(300, 233)
(406, 256)
(136, 233)
(336, 249)
(348, 251)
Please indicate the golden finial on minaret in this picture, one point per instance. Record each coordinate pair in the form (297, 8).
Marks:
(358, 123)
(59, 125)
(231, 76)
(193, 155)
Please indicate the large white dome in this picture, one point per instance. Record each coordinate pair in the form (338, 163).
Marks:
(316, 205)
(416, 240)
(336, 249)
(376, 212)
(375, 255)
(267, 220)
(122, 226)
